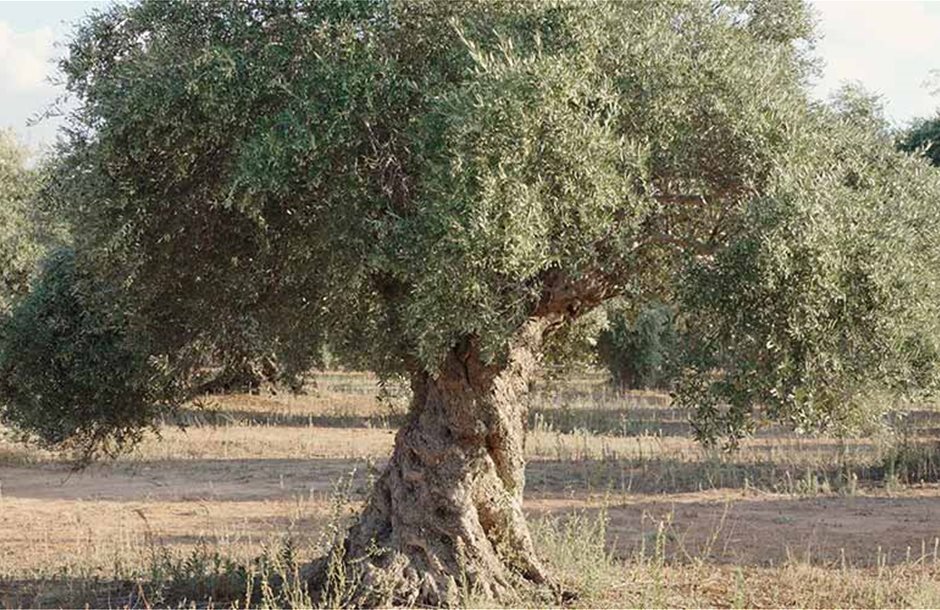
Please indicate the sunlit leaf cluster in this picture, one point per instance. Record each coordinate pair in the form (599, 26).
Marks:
(823, 309)
(393, 176)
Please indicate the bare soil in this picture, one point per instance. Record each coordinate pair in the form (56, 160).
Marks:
(46, 510)
(250, 469)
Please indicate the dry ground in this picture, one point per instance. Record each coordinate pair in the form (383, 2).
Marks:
(785, 521)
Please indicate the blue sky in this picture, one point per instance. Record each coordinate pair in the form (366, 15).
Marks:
(890, 46)
(31, 35)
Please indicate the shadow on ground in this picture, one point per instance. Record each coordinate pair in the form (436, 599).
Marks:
(269, 478)
(632, 421)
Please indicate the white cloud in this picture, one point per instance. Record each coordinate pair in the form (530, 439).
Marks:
(25, 59)
(890, 47)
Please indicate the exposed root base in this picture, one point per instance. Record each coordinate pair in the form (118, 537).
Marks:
(392, 579)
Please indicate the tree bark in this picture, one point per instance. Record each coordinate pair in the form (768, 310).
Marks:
(445, 517)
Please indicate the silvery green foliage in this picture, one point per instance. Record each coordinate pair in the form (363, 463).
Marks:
(19, 244)
(822, 308)
(402, 174)
(392, 177)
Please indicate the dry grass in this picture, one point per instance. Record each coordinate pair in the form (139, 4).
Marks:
(628, 509)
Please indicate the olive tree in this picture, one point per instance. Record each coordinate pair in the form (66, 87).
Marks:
(436, 189)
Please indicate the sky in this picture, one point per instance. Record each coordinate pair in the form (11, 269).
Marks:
(890, 46)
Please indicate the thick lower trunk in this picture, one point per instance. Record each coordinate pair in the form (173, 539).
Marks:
(445, 518)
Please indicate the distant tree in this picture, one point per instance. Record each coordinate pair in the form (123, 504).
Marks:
(923, 137)
(856, 105)
(639, 350)
(436, 189)
(20, 245)
(242, 360)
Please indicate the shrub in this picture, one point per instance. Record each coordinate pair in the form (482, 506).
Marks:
(69, 376)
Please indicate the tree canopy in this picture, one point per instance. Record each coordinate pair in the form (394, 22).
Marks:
(639, 348)
(395, 178)
(823, 305)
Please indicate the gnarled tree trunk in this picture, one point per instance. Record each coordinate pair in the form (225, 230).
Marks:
(445, 518)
